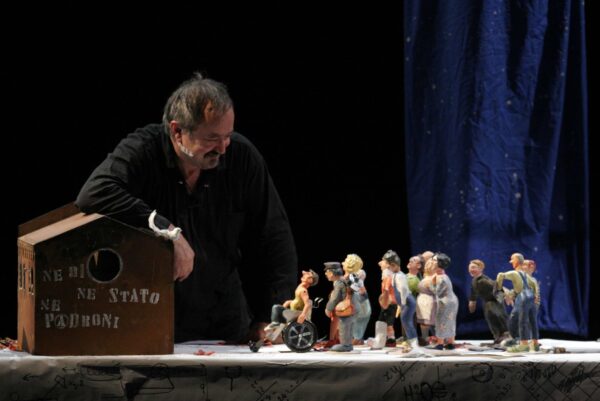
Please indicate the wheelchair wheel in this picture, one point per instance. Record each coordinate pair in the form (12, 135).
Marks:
(300, 337)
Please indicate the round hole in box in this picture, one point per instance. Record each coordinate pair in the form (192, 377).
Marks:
(104, 265)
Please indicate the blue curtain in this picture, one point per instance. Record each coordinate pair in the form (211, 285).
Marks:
(497, 145)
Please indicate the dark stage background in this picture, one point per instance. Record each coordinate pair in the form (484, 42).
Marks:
(321, 97)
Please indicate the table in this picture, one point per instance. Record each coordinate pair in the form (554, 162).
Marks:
(277, 374)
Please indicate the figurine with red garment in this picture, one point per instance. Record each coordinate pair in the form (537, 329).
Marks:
(292, 318)
(384, 326)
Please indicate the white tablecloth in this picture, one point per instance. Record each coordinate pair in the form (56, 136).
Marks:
(275, 373)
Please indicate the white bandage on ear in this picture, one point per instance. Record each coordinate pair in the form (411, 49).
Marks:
(165, 233)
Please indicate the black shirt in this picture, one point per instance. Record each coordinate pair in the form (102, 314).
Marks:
(483, 287)
(234, 221)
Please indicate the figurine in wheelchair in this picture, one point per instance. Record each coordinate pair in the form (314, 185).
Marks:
(292, 319)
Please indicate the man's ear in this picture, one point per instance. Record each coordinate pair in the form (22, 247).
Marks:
(175, 129)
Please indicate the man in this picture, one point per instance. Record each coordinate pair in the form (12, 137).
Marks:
(523, 311)
(402, 296)
(300, 307)
(212, 186)
(343, 324)
(415, 267)
(529, 267)
(484, 287)
(389, 264)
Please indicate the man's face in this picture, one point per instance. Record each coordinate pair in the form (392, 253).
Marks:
(514, 261)
(528, 267)
(413, 266)
(474, 270)
(306, 278)
(329, 274)
(208, 141)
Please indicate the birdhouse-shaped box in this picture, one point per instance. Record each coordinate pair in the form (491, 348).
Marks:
(91, 285)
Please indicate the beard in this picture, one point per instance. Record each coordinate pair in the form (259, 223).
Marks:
(211, 160)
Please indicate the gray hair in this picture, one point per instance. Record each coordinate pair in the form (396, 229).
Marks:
(519, 256)
(195, 101)
(391, 257)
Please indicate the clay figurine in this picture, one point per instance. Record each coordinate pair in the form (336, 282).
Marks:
(292, 319)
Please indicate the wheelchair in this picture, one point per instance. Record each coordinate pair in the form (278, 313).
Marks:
(298, 337)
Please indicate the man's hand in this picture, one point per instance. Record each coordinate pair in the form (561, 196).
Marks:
(183, 260)
(301, 318)
(384, 300)
(472, 305)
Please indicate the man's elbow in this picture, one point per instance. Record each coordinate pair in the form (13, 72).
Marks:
(85, 203)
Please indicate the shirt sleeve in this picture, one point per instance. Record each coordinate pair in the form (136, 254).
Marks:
(500, 280)
(114, 186)
(535, 287)
(400, 288)
(337, 295)
(473, 295)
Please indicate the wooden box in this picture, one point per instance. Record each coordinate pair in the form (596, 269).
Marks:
(91, 285)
